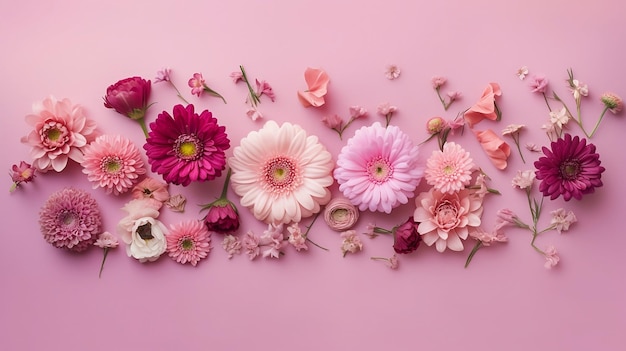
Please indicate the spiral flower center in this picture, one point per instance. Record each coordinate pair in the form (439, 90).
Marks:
(68, 218)
(111, 164)
(188, 147)
(570, 169)
(446, 215)
(54, 134)
(379, 170)
(281, 174)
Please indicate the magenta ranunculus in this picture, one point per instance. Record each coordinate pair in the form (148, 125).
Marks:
(129, 97)
(570, 168)
(406, 239)
(187, 147)
(222, 217)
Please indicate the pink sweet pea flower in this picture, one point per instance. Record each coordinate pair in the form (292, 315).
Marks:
(485, 108)
(263, 88)
(196, 83)
(317, 82)
(496, 149)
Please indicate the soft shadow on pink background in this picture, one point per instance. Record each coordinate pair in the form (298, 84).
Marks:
(315, 300)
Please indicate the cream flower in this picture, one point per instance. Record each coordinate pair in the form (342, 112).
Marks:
(281, 174)
(143, 235)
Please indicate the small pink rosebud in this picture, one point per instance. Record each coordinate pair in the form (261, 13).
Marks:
(129, 97)
(438, 82)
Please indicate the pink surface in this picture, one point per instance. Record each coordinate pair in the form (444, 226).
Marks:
(315, 300)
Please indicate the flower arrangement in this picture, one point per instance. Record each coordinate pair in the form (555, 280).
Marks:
(285, 177)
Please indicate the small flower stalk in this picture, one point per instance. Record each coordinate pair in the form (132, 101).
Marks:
(254, 95)
(164, 75)
(22, 173)
(513, 130)
(452, 96)
(222, 216)
(130, 97)
(336, 123)
(198, 86)
(105, 241)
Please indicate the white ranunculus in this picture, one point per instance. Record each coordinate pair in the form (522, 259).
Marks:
(147, 239)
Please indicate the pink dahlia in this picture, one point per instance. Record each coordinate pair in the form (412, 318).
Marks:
(444, 219)
(188, 241)
(113, 163)
(70, 219)
(187, 147)
(281, 173)
(449, 170)
(60, 131)
(378, 168)
(571, 168)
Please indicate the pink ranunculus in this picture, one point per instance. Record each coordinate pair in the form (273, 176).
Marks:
(485, 108)
(340, 214)
(406, 238)
(496, 149)
(129, 97)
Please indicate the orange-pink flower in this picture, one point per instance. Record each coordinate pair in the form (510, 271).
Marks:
(496, 149)
(317, 82)
(485, 107)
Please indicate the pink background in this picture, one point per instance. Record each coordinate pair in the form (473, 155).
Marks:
(316, 300)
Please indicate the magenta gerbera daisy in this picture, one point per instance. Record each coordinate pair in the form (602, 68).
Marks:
(188, 242)
(60, 131)
(571, 168)
(281, 174)
(113, 163)
(449, 170)
(187, 147)
(378, 168)
(70, 219)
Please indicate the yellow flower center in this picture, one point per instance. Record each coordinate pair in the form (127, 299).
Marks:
(187, 149)
(53, 134)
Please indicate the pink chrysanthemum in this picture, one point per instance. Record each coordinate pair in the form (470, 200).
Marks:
(450, 170)
(571, 168)
(60, 131)
(378, 168)
(188, 241)
(112, 162)
(444, 219)
(187, 147)
(70, 219)
(281, 174)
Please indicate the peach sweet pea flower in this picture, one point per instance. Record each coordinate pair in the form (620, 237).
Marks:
(317, 82)
(496, 149)
(485, 107)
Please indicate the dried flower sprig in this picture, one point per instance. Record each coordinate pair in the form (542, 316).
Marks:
(437, 83)
(198, 86)
(164, 75)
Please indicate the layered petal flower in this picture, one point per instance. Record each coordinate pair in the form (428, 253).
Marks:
(129, 97)
(496, 149)
(485, 108)
(317, 82)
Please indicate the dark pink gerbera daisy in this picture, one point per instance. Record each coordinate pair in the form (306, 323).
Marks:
(187, 147)
(570, 168)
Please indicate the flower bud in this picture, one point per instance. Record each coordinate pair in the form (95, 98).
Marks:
(435, 125)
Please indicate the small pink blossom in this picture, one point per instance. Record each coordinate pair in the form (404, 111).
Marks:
(481, 186)
(236, 76)
(151, 188)
(22, 173)
(370, 230)
(538, 84)
(163, 75)
(455, 124)
(250, 243)
(106, 240)
(392, 72)
(512, 128)
(391, 262)
(552, 257)
(532, 147)
(507, 217)
(487, 238)
(385, 108)
(296, 237)
(453, 96)
(272, 241)
(438, 81)
(231, 245)
(196, 83)
(253, 113)
(522, 72)
(176, 203)
(524, 179)
(562, 219)
(559, 118)
(264, 88)
(332, 121)
(579, 89)
(357, 112)
(351, 242)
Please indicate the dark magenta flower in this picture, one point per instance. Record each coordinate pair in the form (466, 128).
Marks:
(406, 239)
(570, 168)
(223, 216)
(129, 97)
(187, 147)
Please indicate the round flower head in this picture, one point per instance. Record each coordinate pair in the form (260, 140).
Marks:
(60, 131)
(378, 168)
(281, 174)
(340, 214)
(113, 163)
(449, 170)
(187, 147)
(188, 242)
(70, 219)
(570, 168)
(612, 102)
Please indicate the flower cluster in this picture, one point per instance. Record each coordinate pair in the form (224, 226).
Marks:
(285, 177)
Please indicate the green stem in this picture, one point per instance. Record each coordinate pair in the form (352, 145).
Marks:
(253, 95)
(516, 140)
(598, 123)
(214, 93)
(475, 249)
(225, 187)
(178, 92)
(104, 258)
(545, 98)
(308, 228)
(142, 123)
(443, 102)
(14, 186)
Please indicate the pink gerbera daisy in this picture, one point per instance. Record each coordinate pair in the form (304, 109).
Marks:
(449, 170)
(70, 219)
(60, 131)
(188, 241)
(187, 147)
(378, 168)
(281, 174)
(113, 163)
